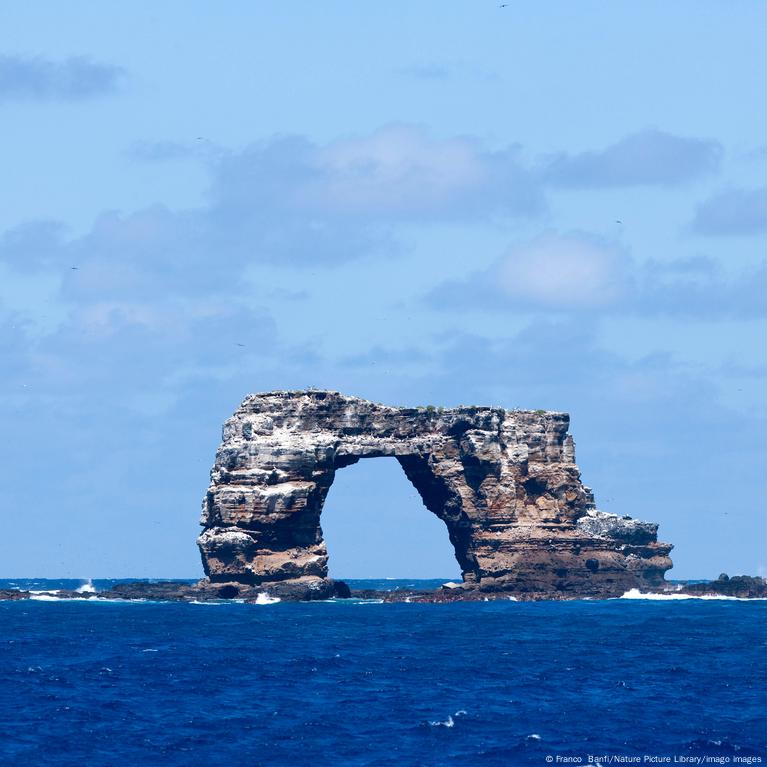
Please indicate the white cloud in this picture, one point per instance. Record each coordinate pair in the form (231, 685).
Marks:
(555, 272)
(397, 172)
(73, 79)
(733, 212)
(563, 272)
(647, 158)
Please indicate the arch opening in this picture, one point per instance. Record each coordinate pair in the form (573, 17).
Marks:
(375, 525)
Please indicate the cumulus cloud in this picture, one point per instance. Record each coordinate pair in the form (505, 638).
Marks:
(699, 287)
(574, 270)
(33, 246)
(733, 212)
(570, 272)
(396, 173)
(33, 78)
(579, 272)
(287, 201)
(647, 158)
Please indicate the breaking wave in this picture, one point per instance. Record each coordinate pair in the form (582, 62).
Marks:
(637, 594)
(264, 599)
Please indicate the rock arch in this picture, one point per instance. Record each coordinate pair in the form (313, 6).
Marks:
(504, 482)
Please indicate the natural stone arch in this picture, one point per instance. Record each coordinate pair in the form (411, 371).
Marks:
(504, 482)
(437, 497)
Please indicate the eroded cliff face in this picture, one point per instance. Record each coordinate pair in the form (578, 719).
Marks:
(504, 482)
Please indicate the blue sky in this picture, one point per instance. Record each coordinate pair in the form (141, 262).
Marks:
(557, 205)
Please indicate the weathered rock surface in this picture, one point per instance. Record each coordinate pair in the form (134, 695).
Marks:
(741, 586)
(504, 482)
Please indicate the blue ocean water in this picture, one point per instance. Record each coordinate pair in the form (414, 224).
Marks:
(349, 683)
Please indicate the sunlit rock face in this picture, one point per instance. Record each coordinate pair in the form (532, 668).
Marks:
(504, 482)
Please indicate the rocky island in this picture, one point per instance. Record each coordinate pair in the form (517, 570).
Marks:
(504, 482)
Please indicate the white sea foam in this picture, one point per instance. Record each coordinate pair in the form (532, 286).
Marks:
(534, 736)
(637, 594)
(45, 597)
(44, 591)
(86, 588)
(449, 722)
(264, 599)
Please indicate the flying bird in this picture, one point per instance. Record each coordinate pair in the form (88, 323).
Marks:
(240, 344)
(75, 268)
(618, 221)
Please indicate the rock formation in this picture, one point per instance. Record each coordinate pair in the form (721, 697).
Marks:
(504, 482)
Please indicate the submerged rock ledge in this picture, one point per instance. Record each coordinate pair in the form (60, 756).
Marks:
(738, 586)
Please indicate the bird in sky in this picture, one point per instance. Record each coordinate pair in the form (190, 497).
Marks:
(75, 268)
(618, 221)
(240, 344)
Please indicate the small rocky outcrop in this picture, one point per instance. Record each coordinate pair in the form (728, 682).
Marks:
(504, 482)
(741, 586)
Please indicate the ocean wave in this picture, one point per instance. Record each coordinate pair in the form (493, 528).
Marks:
(264, 599)
(86, 588)
(199, 602)
(449, 722)
(637, 594)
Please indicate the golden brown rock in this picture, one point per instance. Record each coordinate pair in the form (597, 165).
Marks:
(504, 482)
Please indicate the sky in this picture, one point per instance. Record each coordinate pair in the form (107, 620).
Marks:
(556, 205)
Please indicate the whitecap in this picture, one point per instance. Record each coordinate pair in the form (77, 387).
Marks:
(42, 597)
(637, 594)
(449, 722)
(150, 649)
(534, 736)
(264, 599)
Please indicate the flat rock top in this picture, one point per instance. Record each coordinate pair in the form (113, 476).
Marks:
(326, 398)
(332, 412)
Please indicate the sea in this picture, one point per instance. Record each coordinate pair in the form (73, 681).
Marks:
(347, 683)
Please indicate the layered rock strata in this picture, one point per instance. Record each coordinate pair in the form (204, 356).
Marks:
(504, 482)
